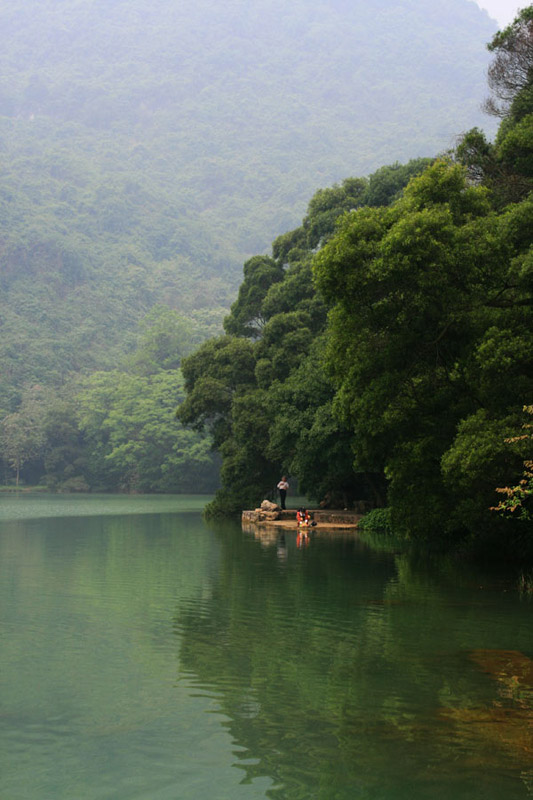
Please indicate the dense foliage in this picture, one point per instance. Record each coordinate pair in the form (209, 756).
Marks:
(261, 390)
(411, 393)
(431, 345)
(115, 430)
(149, 147)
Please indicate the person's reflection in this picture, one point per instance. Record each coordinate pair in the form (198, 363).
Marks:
(281, 547)
(302, 538)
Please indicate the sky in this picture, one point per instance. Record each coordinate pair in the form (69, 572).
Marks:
(503, 11)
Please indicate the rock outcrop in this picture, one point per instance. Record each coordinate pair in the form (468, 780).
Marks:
(267, 512)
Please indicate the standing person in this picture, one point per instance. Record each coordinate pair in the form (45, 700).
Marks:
(282, 489)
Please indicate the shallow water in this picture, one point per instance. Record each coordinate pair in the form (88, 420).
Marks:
(146, 654)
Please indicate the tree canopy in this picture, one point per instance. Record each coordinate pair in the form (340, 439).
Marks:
(261, 390)
(115, 429)
(380, 354)
(430, 344)
(394, 353)
(149, 148)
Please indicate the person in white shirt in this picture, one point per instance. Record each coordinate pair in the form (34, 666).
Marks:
(282, 489)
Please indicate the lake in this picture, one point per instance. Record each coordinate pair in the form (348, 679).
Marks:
(149, 655)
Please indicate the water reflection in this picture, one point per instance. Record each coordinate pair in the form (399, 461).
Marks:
(348, 673)
(151, 656)
(272, 535)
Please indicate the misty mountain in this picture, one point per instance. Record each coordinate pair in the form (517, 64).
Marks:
(150, 146)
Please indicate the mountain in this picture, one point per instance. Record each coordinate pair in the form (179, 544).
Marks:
(148, 147)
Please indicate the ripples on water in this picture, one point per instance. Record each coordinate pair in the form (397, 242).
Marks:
(151, 656)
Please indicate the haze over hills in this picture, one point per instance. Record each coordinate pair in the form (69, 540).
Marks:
(148, 148)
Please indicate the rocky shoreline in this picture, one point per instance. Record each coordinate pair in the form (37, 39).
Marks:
(271, 514)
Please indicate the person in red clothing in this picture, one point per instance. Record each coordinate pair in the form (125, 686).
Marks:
(302, 538)
(302, 516)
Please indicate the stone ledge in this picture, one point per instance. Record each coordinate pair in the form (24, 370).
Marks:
(330, 517)
(260, 516)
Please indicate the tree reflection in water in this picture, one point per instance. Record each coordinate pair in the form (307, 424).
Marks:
(344, 673)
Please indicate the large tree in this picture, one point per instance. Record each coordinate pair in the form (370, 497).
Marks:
(506, 165)
(511, 71)
(431, 344)
(261, 390)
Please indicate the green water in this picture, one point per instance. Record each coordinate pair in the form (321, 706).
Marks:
(148, 655)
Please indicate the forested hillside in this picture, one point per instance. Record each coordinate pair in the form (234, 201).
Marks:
(149, 147)
(384, 351)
